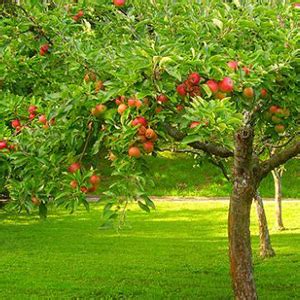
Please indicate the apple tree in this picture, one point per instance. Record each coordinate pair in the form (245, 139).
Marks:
(130, 78)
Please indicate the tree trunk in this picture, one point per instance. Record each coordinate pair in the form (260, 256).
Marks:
(277, 174)
(244, 189)
(266, 249)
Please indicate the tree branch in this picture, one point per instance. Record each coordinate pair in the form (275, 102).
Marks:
(209, 148)
(278, 159)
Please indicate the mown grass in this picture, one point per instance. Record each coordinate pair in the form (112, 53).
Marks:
(175, 175)
(178, 251)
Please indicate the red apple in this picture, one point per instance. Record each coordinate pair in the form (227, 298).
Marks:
(263, 93)
(148, 146)
(194, 124)
(73, 184)
(139, 121)
(194, 78)
(181, 90)
(32, 109)
(273, 109)
(15, 123)
(213, 85)
(42, 119)
(138, 103)
(162, 98)
(179, 107)
(44, 49)
(246, 70)
(279, 128)
(226, 85)
(233, 65)
(248, 92)
(31, 116)
(119, 3)
(95, 179)
(122, 107)
(131, 102)
(3, 145)
(134, 152)
(74, 167)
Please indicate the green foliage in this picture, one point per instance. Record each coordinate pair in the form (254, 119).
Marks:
(59, 63)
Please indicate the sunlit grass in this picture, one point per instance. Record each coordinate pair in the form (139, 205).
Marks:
(178, 251)
(176, 176)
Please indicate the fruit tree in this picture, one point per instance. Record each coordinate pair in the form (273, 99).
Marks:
(130, 77)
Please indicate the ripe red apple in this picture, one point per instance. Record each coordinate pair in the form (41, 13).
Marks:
(213, 85)
(194, 78)
(80, 13)
(181, 90)
(226, 85)
(162, 98)
(42, 119)
(158, 109)
(134, 152)
(93, 189)
(273, 109)
(148, 146)
(3, 145)
(139, 121)
(131, 102)
(99, 86)
(248, 92)
(220, 95)
(150, 133)
(196, 91)
(263, 93)
(179, 107)
(101, 108)
(31, 116)
(44, 49)
(119, 3)
(122, 107)
(246, 70)
(35, 201)
(32, 109)
(142, 130)
(233, 65)
(84, 189)
(138, 103)
(15, 123)
(279, 128)
(194, 124)
(73, 184)
(74, 167)
(95, 179)
(297, 5)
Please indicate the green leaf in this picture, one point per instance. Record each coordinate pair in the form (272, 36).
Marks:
(190, 139)
(144, 207)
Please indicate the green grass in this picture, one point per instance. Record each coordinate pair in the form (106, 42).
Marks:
(178, 251)
(176, 176)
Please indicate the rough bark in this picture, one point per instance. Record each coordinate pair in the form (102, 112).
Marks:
(244, 190)
(278, 198)
(266, 249)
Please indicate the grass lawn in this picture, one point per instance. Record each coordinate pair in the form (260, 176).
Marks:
(178, 251)
(175, 175)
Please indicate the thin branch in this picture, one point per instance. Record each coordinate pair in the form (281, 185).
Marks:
(209, 148)
(278, 159)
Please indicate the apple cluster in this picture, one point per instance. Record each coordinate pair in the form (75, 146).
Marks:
(92, 184)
